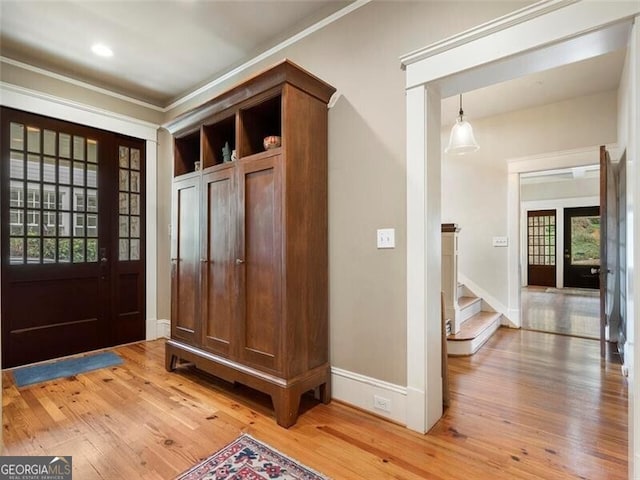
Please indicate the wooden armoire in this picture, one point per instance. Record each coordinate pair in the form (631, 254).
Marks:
(249, 260)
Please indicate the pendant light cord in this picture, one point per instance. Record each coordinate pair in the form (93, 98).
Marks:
(461, 112)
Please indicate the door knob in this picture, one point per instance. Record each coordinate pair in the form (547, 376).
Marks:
(239, 261)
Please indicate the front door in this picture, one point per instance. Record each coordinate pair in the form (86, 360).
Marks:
(72, 238)
(582, 247)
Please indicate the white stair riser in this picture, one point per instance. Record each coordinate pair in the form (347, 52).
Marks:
(470, 310)
(457, 348)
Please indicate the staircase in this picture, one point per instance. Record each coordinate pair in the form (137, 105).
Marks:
(477, 322)
(470, 320)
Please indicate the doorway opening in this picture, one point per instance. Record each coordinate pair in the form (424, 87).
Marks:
(560, 251)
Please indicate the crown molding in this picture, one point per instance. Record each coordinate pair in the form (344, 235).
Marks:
(217, 81)
(15, 96)
(501, 23)
(268, 53)
(79, 83)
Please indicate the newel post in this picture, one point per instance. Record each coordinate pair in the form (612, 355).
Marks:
(450, 274)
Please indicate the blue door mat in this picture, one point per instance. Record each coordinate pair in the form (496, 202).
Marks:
(64, 368)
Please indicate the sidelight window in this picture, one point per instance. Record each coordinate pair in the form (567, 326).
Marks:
(129, 226)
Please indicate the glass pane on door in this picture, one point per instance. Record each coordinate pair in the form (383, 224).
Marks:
(585, 240)
(43, 204)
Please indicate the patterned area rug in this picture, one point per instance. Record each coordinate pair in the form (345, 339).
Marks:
(248, 459)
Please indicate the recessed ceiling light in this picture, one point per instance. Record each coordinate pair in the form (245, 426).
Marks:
(102, 50)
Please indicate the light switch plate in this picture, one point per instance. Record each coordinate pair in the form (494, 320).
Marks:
(500, 242)
(386, 238)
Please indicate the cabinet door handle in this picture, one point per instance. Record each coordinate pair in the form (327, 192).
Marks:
(239, 261)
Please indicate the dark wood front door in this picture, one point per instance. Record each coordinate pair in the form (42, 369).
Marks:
(541, 247)
(582, 247)
(72, 251)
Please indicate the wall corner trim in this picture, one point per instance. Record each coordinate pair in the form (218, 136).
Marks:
(163, 328)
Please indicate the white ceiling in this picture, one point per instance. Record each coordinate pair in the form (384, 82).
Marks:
(162, 49)
(165, 49)
(598, 74)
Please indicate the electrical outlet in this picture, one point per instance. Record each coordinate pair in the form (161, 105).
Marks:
(500, 242)
(381, 403)
(386, 238)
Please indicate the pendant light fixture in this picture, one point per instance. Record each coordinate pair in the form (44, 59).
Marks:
(462, 140)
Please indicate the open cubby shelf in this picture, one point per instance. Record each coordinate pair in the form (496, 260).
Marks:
(244, 129)
(257, 122)
(214, 138)
(186, 153)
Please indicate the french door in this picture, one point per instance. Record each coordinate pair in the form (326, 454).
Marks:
(582, 247)
(73, 260)
(541, 247)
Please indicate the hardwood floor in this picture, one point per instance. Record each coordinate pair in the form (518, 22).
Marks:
(528, 405)
(564, 313)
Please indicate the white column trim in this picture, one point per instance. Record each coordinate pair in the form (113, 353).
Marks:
(633, 251)
(424, 283)
(151, 273)
(416, 261)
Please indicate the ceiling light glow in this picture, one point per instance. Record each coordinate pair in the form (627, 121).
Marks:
(102, 50)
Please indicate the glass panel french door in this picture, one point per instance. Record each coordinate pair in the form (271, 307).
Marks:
(541, 247)
(61, 271)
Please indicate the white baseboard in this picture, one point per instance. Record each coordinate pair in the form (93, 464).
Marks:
(359, 390)
(151, 332)
(512, 320)
(163, 328)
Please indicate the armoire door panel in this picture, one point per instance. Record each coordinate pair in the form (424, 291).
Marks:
(185, 258)
(262, 235)
(219, 280)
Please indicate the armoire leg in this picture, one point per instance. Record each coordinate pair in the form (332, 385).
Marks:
(286, 404)
(325, 392)
(170, 361)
